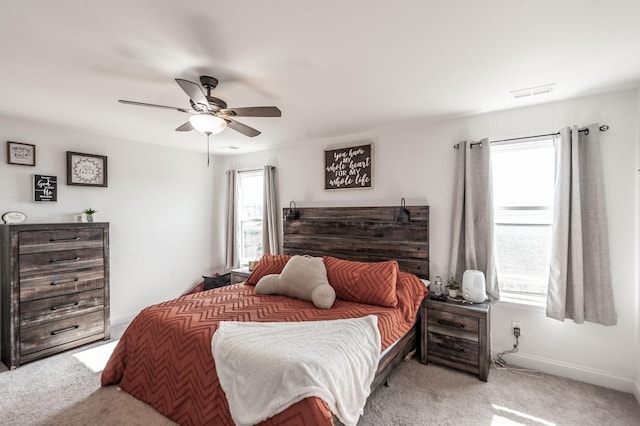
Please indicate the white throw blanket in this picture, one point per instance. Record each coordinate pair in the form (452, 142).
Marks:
(264, 368)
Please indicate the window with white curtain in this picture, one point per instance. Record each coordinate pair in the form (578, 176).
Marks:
(249, 214)
(523, 180)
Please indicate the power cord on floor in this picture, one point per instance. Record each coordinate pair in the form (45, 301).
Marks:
(500, 364)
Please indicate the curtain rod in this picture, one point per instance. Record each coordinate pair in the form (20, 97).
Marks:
(602, 128)
(255, 170)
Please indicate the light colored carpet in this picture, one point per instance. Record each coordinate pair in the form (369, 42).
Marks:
(60, 390)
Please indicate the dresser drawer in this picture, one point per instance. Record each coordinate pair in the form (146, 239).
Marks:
(450, 324)
(45, 336)
(452, 349)
(57, 308)
(60, 261)
(41, 286)
(60, 239)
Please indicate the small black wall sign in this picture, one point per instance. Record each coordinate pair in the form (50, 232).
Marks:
(350, 167)
(45, 188)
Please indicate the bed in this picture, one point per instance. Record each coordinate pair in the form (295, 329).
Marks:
(164, 357)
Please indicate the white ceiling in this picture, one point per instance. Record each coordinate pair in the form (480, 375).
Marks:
(334, 67)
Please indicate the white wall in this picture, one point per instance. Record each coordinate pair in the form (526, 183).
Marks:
(159, 204)
(417, 163)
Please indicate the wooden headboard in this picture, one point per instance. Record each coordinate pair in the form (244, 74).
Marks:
(366, 234)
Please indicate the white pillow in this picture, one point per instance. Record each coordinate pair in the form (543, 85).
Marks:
(304, 278)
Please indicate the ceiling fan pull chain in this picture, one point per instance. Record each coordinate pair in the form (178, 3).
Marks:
(208, 157)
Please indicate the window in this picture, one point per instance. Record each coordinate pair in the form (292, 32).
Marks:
(250, 215)
(523, 180)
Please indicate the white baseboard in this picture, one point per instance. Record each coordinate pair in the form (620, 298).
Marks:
(636, 390)
(572, 371)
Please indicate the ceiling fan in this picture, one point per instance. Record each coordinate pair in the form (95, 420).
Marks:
(210, 115)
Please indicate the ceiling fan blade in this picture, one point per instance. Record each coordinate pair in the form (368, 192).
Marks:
(194, 91)
(242, 128)
(258, 111)
(154, 106)
(186, 127)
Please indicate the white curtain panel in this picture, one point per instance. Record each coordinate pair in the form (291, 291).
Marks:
(231, 226)
(270, 217)
(472, 240)
(580, 275)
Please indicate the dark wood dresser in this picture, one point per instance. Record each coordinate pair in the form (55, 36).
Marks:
(456, 335)
(54, 288)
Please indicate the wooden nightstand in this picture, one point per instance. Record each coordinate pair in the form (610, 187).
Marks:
(456, 335)
(239, 275)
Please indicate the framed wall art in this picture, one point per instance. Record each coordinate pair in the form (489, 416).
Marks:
(23, 154)
(45, 188)
(349, 167)
(86, 169)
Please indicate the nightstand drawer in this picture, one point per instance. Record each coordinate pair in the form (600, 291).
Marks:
(452, 349)
(461, 326)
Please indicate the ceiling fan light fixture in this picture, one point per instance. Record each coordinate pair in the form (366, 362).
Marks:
(207, 123)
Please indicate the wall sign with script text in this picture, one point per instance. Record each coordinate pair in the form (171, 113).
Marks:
(45, 188)
(349, 167)
(23, 154)
(86, 169)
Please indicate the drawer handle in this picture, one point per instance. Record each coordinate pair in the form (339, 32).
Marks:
(54, 240)
(73, 259)
(73, 280)
(450, 323)
(462, 350)
(68, 305)
(64, 330)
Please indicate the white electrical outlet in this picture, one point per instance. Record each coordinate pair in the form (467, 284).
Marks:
(515, 325)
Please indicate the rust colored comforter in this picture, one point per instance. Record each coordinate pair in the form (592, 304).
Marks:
(164, 356)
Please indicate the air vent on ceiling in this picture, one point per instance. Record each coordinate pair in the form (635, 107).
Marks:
(532, 91)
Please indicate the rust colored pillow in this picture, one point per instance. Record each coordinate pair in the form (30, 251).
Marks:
(364, 282)
(268, 264)
(410, 290)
